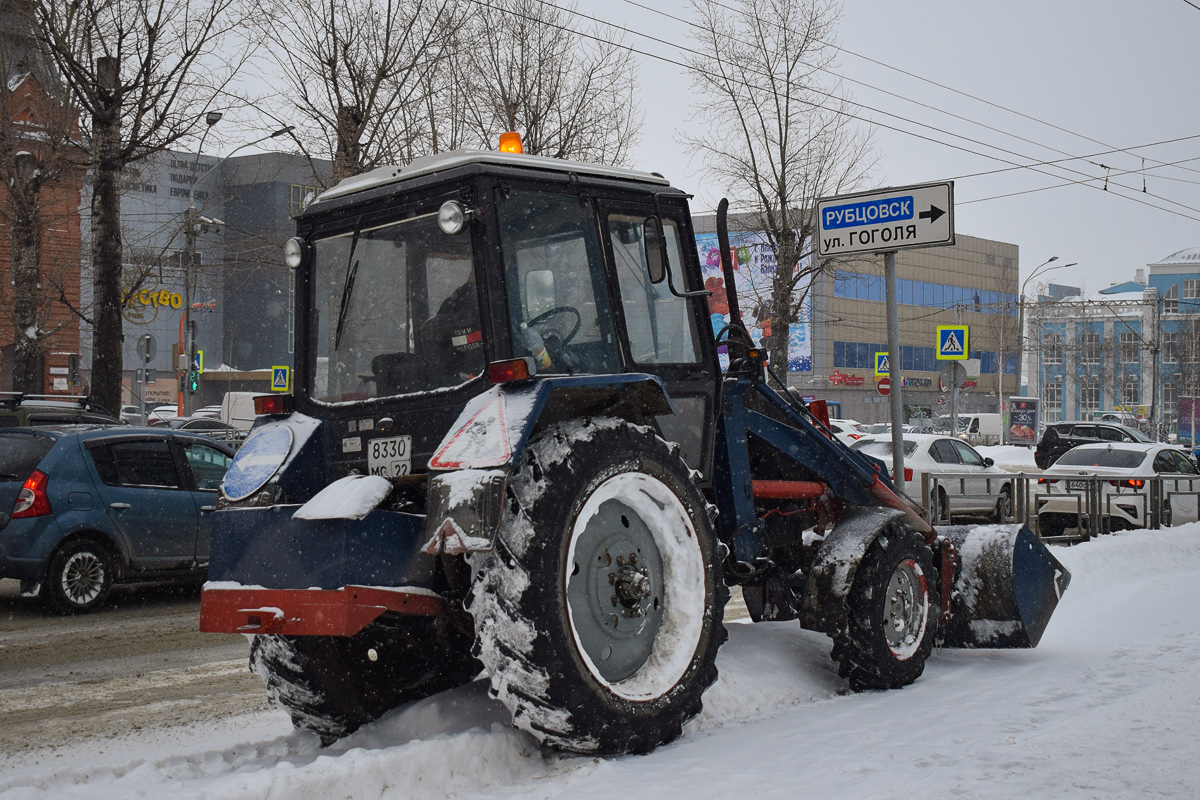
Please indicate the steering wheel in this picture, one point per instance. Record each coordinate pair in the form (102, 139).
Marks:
(550, 328)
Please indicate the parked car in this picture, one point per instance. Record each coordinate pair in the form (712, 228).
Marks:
(1124, 496)
(212, 412)
(1059, 437)
(89, 507)
(20, 410)
(206, 426)
(988, 491)
(131, 415)
(848, 431)
(160, 414)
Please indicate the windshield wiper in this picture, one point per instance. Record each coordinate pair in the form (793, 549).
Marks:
(347, 287)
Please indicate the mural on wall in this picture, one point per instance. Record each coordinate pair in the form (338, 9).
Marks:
(754, 265)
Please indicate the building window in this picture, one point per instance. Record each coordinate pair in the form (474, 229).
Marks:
(1170, 397)
(1089, 394)
(1089, 348)
(1052, 348)
(1191, 290)
(1131, 396)
(300, 197)
(1170, 347)
(1052, 396)
(1130, 346)
(1171, 300)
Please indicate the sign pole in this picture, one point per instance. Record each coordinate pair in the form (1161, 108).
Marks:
(894, 378)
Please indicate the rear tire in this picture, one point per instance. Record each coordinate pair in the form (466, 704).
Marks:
(1004, 506)
(79, 577)
(329, 685)
(598, 615)
(893, 607)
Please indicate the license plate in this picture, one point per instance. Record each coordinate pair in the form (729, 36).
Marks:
(390, 457)
(1078, 486)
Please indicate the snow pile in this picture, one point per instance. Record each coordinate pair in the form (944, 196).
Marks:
(1105, 707)
(351, 497)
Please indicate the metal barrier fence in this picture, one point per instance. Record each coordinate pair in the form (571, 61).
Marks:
(1093, 504)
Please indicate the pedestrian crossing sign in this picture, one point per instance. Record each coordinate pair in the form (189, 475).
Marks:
(953, 342)
(281, 379)
(882, 367)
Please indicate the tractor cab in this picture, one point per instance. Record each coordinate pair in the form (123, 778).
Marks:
(422, 286)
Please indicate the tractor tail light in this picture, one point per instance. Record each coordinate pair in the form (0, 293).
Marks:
(32, 500)
(273, 404)
(515, 369)
(908, 474)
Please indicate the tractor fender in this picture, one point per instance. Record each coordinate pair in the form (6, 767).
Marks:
(469, 469)
(823, 607)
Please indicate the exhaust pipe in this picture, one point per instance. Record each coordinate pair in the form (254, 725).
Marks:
(1007, 584)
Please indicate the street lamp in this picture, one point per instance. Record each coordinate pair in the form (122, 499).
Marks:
(193, 224)
(1040, 269)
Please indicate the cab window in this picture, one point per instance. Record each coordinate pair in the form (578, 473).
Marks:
(208, 465)
(661, 327)
(557, 296)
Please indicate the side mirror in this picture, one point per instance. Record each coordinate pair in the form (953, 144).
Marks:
(987, 462)
(656, 249)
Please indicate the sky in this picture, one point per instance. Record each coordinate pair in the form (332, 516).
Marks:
(1108, 73)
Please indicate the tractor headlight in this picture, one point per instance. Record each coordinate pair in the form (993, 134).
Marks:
(452, 217)
(293, 252)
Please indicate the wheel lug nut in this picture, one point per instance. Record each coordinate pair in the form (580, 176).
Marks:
(614, 599)
(620, 561)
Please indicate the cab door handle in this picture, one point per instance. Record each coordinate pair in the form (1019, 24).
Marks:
(119, 506)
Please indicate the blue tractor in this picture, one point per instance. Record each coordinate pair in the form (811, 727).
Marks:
(512, 449)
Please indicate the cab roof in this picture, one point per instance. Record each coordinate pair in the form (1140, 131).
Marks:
(429, 165)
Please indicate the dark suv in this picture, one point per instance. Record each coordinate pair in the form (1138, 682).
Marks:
(84, 507)
(36, 410)
(1059, 437)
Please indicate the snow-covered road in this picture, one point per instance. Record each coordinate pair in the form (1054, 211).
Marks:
(1108, 706)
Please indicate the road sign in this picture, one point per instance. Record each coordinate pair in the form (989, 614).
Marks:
(882, 367)
(941, 400)
(884, 386)
(198, 361)
(886, 219)
(147, 347)
(952, 377)
(281, 379)
(953, 342)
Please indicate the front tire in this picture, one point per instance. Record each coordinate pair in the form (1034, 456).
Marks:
(598, 615)
(79, 577)
(893, 609)
(1004, 506)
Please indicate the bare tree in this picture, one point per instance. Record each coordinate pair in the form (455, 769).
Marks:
(143, 72)
(39, 158)
(358, 74)
(777, 137)
(571, 94)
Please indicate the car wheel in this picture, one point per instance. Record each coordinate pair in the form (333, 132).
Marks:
(1004, 506)
(943, 507)
(1050, 527)
(79, 577)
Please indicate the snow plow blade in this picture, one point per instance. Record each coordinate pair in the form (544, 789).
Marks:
(1006, 587)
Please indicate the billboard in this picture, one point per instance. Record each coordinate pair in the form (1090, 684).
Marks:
(1189, 410)
(1022, 425)
(754, 265)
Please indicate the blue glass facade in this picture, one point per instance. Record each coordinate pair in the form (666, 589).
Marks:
(860, 286)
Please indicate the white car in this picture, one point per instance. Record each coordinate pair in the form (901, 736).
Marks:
(848, 431)
(981, 490)
(1124, 489)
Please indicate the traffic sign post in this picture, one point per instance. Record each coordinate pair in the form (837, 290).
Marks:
(953, 342)
(882, 365)
(886, 220)
(884, 386)
(281, 379)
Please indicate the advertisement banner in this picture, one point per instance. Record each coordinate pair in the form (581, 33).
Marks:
(754, 265)
(1189, 410)
(1023, 419)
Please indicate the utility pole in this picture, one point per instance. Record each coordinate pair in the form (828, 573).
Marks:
(894, 377)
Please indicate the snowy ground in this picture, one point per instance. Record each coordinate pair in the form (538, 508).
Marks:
(1106, 707)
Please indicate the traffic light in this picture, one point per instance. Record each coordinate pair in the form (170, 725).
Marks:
(193, 381)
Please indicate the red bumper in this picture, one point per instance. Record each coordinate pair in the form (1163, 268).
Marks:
(308, 612)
